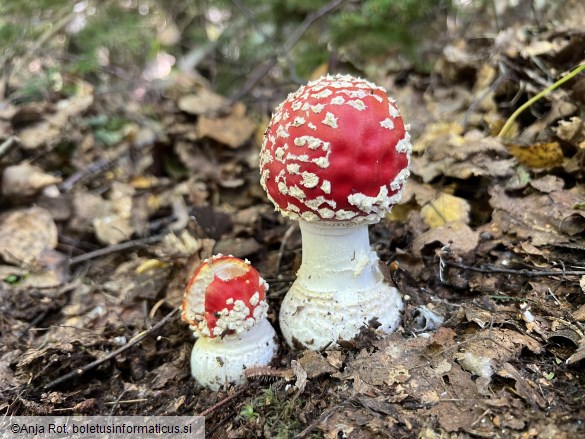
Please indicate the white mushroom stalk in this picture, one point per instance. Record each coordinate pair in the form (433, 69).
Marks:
(339, 289)
(335, 157)
(225, 304)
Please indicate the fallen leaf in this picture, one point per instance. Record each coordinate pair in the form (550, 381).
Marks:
(579, 313)
(463, 240)
(524, 387)
(25, 234)
(25, 180)
(233, 130)
(548, 184)
(464, 157)
(49, 270)
(315, 364)
(438, 132)
(301, 375)
(539, 155)
(572, 130)
(50, 128)
(543, 218)
(445, 209)
(115, 225)
(204, 102)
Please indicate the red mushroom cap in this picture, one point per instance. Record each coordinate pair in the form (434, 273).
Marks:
(225, 295)
(336, 150)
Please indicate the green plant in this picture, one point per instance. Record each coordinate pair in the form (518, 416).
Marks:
(248, 413)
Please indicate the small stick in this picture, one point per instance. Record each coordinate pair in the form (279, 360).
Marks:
(488, 269)
(116, 248)
(95, 168)
(134, 341)
(222, 402)
(7, 145)
(285, 239)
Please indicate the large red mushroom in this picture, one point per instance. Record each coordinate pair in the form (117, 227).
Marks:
(335, 157)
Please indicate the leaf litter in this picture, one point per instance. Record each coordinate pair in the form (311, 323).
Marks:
(488, 347)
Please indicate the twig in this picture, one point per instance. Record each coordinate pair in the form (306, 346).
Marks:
(488, 269)
(116, 248)
(126, 401)
(7, 145)
(263, 69)
(222, 402)
(134, 341)
(285, 239)
(95, 168)
(115, 406)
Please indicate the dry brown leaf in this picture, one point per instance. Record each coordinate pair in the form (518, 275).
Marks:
(50, 129)
(579, 313)
(463, 240)
(25, 180)
(539, 155)
(464, 157)
(205, 102)
(233, 130)
(543, 218)
(38, 134)
(572, 130)
(579, 353)
(25, 234)
(300, 374)
(315, 364)
(49, 271)
(115, 225)
(548, 184)
(421, 370)
(178, 246)
(524, 387)
(140, 278)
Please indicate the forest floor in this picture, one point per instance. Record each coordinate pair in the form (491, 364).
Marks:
(109, 205)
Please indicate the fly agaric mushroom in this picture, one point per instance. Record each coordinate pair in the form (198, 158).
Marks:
(335, 157)
(225, 304)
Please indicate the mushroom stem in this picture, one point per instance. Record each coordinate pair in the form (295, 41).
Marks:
(339, 288)
(217, 362)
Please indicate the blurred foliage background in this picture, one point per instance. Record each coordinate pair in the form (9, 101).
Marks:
(231, 43)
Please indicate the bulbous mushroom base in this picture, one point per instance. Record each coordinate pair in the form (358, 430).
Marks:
(317, 320)
(217, 362)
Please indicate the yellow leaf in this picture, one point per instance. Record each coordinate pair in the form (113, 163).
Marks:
(437, 132)
(143, 182)
(445, 209)
(150, 265)
(539, 155)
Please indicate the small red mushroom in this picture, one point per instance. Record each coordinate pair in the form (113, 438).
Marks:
(335, 157)
(225, 304)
